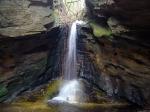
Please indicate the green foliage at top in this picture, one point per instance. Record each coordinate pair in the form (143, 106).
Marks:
(3, 90)
(99, 31)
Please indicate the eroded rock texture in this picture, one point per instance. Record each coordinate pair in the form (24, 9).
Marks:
(30, 52)
(133, 13)
(122, 58)
(24, 17)
(27, 62)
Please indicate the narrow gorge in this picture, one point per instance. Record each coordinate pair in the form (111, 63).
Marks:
(74, 56)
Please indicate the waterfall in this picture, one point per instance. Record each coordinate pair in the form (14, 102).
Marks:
(71, 57)
(71, 91)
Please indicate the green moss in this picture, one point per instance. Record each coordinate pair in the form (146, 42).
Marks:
(3, 90)
(99, 93)
(29, 107)
(53, 88)
(99, 30)
(42, 94)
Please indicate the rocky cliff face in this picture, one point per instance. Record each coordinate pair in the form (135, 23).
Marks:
(27, 62)
(29, 46)
(24, 17)
(118, 48)
(113, 52)
(123, 16)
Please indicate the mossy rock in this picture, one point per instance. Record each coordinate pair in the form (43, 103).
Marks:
(100, 31)
(53, 88)
(42, 93)
(3, 91)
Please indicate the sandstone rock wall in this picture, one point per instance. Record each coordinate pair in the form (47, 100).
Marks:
(124, 16)
(122, 58)
(133, 13)
(24, 17)
(24, 62)
(29, 46)
(118, 66)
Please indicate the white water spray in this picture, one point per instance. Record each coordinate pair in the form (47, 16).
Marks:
(72, 90)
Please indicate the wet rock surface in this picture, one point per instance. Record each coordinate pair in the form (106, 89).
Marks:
(116, 65)
(122, 58)
(30, 46)
(25, 62)
(37, 100)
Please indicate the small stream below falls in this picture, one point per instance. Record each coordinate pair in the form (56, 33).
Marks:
(69, 94)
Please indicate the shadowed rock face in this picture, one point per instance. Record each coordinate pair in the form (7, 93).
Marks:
(27, 62)
(42, 3)
(119, 67)
(29, 58)
(121, 60)
(123, 14)
(133, 13)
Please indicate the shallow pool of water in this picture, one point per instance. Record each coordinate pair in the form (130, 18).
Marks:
(37, 101)
(43, 107)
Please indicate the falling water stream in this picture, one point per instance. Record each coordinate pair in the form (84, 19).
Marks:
(71, 59)
(71, 91)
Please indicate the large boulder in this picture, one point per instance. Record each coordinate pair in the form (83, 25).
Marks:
(24, 17)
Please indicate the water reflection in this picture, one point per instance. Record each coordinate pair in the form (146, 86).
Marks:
(39, 107)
